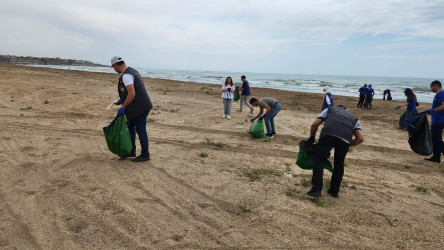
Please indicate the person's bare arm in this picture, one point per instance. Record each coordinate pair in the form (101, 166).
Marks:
(261, 111)
(315, 125)
(131, 95)
(359, 138)
(268, 109)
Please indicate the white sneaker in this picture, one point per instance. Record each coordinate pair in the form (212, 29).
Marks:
(229, 117)
(223, 116)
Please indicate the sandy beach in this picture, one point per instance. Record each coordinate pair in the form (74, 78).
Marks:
(209, 184)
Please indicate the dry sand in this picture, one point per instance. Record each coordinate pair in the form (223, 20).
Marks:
(61, 188)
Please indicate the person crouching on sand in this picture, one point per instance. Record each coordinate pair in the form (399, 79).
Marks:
(339, 127)
(272, 107)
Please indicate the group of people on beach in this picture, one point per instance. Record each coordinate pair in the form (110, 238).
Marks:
(366, 94)
(341, 128)
(269, 107)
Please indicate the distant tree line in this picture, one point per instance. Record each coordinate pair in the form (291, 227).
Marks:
(45, 61)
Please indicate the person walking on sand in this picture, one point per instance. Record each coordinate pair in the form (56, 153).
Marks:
(369, 93)
(272, 107)
(136, 106)
(339, 128)
(437, 112)
(411, 108)
(328, 99)
(245, 88)
(227, 96)
(362, 91)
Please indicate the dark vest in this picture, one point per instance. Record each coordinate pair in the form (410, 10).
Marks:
(141, 103)
(339, 123)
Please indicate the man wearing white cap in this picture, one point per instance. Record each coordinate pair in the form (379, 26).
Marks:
(136, 105)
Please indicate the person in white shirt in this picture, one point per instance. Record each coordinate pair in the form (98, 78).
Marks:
(227, 96)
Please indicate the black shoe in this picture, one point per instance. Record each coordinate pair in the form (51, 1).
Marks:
(127, 155)
(313, 193)
(269, 135)
(273, 133)
(437, 160)
(140, 158)
(335, 195)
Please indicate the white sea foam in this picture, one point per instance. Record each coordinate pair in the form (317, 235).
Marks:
(339, 85)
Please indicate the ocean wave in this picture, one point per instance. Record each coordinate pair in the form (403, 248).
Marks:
(340, 85)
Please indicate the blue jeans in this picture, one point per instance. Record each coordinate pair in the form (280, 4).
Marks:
(438, 144)
(138, 124)
(269, 119)
(227, 105)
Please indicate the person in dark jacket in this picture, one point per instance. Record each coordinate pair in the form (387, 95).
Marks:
(411, 108)
(361, 95)
(328, 99)
(245, 88)
(339, 128)
(136, 105)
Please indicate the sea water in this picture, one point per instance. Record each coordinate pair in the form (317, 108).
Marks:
(339, 85)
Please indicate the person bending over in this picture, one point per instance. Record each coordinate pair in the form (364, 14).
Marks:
(272, 107)
(339, 128)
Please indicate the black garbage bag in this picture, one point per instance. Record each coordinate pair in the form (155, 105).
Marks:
(306, 156)
(420, 137)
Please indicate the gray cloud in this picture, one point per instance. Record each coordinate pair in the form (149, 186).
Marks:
(176, 30)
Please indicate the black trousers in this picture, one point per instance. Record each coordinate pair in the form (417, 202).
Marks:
(368, 102)
(361, 101)
(438, 144)
(325, 144)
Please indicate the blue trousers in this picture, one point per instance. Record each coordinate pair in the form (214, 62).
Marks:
(269, 118)
(227, 105)
(138, 125)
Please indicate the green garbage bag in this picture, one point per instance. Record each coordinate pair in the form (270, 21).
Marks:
(117, 136)
(236, 95)
(306, 157)
(257, 130)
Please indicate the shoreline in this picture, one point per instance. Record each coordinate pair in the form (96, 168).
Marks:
(208, 184)
(422, 98)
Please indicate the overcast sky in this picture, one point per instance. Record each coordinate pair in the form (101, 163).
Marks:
(339, 37)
